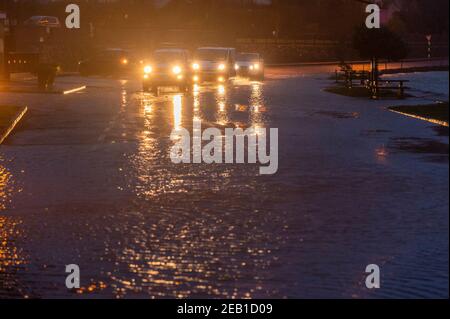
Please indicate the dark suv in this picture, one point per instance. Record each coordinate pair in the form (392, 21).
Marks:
(107, 62)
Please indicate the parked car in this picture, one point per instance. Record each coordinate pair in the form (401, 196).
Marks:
(214, 64)
(168, 67)
(107, 62)
(43, 21)
(250, 65)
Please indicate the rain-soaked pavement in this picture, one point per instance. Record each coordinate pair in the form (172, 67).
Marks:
(87, 180)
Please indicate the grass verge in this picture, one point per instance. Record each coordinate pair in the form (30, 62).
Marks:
(362, 92)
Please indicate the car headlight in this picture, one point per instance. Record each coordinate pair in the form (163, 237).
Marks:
(237, 67)
(222, 67)
(196, 66)
(124, 61)
(176, 69)
(256, 66)
(148, 69)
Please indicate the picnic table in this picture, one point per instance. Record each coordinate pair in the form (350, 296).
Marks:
(350, 75)
(347, 75)
(394, 85)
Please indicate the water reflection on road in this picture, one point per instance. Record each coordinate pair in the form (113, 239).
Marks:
(11, 256)
(182, 239)
(99, 190)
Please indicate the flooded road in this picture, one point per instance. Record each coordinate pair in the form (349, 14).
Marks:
(87, 180)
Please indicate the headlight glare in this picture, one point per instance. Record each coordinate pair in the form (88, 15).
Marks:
(176, 69)
(148, 69)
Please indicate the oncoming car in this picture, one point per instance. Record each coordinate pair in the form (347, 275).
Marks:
(250, 65)
(168, 67)
(214, 64)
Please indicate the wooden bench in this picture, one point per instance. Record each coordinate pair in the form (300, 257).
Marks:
(397, 85)
(349, 76)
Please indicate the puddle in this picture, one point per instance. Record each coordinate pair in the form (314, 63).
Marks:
(339, 115)
(440, 130)
(437, 150)
(371, 133)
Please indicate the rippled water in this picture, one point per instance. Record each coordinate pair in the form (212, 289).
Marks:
(88, 180)
(11, 257)
(427, 84)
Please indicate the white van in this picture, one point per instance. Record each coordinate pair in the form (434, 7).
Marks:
(214, 64)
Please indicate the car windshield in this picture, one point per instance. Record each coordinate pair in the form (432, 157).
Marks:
(211, 55)
(48, 20)
(246, 57)
(168, 57)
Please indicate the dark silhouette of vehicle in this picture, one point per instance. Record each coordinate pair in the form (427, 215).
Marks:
(107, 62)
(43, 21)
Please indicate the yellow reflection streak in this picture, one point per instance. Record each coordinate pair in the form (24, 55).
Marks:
(148, 106)
(196, 89)
(221, 90)
(221, 107)
(221, 100)
(9, 254)
(124, 98)
(381, 154)
(197, 116)
(4, 178)
(177, 112)
(256, 101)
(147, 109)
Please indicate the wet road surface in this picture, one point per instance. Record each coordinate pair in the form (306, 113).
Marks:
(87, 180)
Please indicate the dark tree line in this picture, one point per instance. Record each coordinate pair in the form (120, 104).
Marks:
(324, 19)
(421, 16)
(288, 18)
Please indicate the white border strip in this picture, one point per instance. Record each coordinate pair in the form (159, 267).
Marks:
(81, 88)
(13, 125)
(442, 123)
